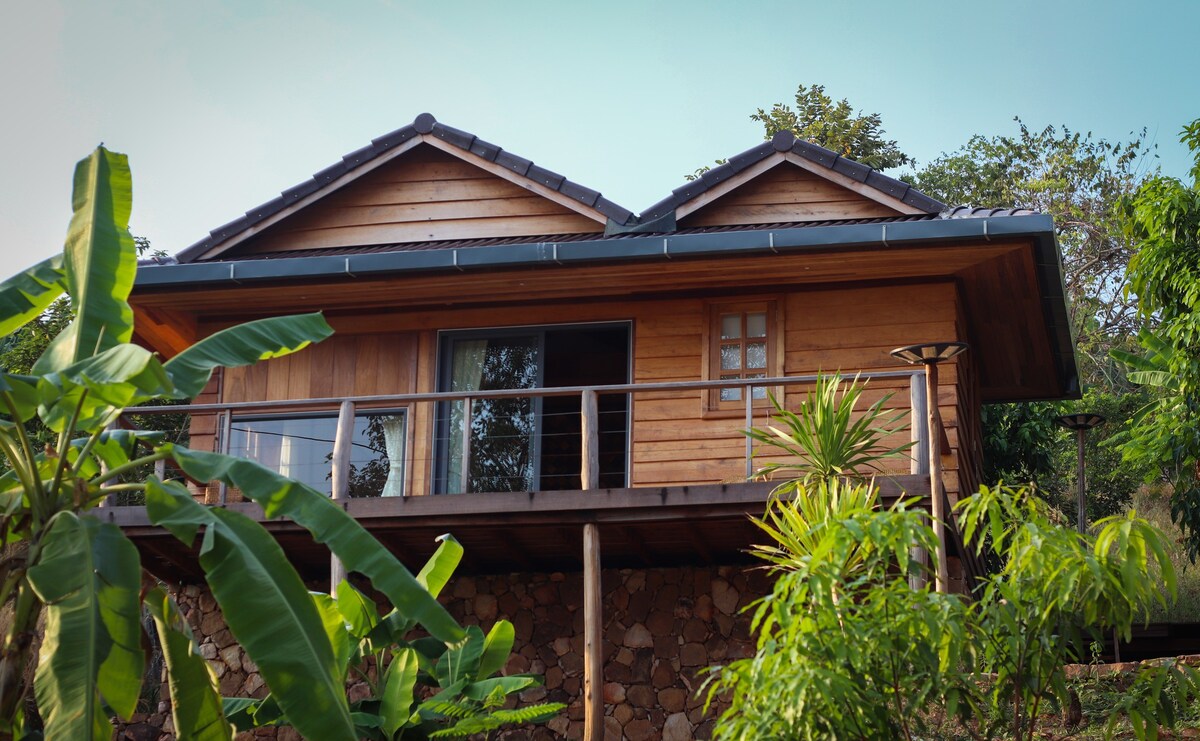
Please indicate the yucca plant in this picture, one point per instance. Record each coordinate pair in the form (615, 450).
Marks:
(827, 437)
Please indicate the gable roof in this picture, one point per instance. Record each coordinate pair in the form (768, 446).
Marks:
(424, 128)
(815, 158)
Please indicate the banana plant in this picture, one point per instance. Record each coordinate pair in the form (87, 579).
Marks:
(80, 578)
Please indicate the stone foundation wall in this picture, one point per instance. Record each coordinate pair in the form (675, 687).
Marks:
(662, 627)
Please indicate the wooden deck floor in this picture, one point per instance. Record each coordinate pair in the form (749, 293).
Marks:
(522, 531)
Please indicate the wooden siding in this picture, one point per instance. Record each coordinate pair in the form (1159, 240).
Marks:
(424, 195)
(782, 194)
(674, 441)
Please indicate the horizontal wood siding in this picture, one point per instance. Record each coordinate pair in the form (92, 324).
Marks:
(785, 193)
(674, 442)
(424, 195)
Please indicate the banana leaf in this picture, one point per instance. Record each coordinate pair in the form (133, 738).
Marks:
(266, 606)
(329, 524)
(396, 704)
(88, 576)
(99, 262)
(244, 344)
(496, 648)
(441, 565)
(196, 705)
(26, 295)
(99, 386)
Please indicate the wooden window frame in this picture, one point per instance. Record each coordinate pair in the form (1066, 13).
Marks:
(772, 306)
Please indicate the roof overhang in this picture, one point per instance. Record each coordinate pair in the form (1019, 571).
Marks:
(1037, 230)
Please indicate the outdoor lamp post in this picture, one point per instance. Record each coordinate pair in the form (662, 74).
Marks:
(929, 355)
(1080, 423)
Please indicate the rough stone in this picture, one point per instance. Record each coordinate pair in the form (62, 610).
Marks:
(485, 608)
(641, 695)
(639, 730)
(623, 713)
(613, 693)
(695, 630)
(693, 654)
(638, 637)
(672, 700)
(724, 596)
(612, 729)
(677, 728)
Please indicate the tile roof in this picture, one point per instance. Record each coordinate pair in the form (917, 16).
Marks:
(786, 142)
(455, 244)
(424, 124)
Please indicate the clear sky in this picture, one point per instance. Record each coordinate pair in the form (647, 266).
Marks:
(221, 105)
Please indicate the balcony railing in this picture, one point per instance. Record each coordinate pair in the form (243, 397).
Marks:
(459, 426)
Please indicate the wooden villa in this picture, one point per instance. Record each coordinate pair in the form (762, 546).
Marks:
(562, 383)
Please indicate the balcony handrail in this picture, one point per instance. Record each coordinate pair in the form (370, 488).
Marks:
(621, 388)
(589, 473)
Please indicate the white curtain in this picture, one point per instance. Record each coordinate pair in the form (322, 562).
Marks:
(466, 373)
(393, 442)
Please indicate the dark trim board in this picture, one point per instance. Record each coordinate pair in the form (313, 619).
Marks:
(523, 531)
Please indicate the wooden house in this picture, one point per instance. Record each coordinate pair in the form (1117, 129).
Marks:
(528, 365)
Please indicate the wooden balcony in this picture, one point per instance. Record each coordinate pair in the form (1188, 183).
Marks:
(688, 523)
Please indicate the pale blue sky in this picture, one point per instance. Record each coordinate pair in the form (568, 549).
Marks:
(221, 105)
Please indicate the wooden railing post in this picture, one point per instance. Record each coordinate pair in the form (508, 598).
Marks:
(936, 497)
(465, 465)
(918, 461)
(342, 441)
(589, 471)
(749, 392)
(226, 433)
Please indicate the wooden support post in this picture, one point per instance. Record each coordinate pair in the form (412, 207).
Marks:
(749, 392)
(589, 472)
(936, 496)
(593, 623)
(343, 440)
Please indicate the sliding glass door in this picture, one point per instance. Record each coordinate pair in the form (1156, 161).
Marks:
(524, 444)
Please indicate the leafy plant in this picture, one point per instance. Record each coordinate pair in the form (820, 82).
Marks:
(462, 697)
(65, 565)
(826, 437)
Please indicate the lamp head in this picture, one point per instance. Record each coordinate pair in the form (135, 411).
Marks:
(929, 353)
(1081, 421)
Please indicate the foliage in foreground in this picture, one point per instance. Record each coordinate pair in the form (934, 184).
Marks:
(848, 648)
(461, 695)
(83, 577)
(850, 645)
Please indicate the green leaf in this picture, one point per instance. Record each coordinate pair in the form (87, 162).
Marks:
(461, 661)
(100, 385)
(441, 565)
(196, 705)
(397, 700)
(507, 686)
(26, 295)
(359, 612)
(244, 344)
(496, 648)
(88, 577)
(99, 262)
(263, 600)
(335, 630)
(329, 524)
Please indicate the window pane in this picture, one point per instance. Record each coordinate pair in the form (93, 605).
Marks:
(301, 448)
(758, 392)
(756, 324)
(731, 357)
(733, 394)
(756, 355)
(731, 326)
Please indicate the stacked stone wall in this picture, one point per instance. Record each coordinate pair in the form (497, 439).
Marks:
(662, 628)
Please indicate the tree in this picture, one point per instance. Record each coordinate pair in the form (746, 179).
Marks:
(837, 126)
(79, 573)
(1164, 276)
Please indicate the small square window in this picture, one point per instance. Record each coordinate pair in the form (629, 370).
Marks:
(742, 345)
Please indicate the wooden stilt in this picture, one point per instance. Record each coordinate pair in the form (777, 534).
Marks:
(593, 618)
(343, 439)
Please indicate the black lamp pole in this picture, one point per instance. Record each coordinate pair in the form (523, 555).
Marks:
(1080, 423)
(930, 355)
